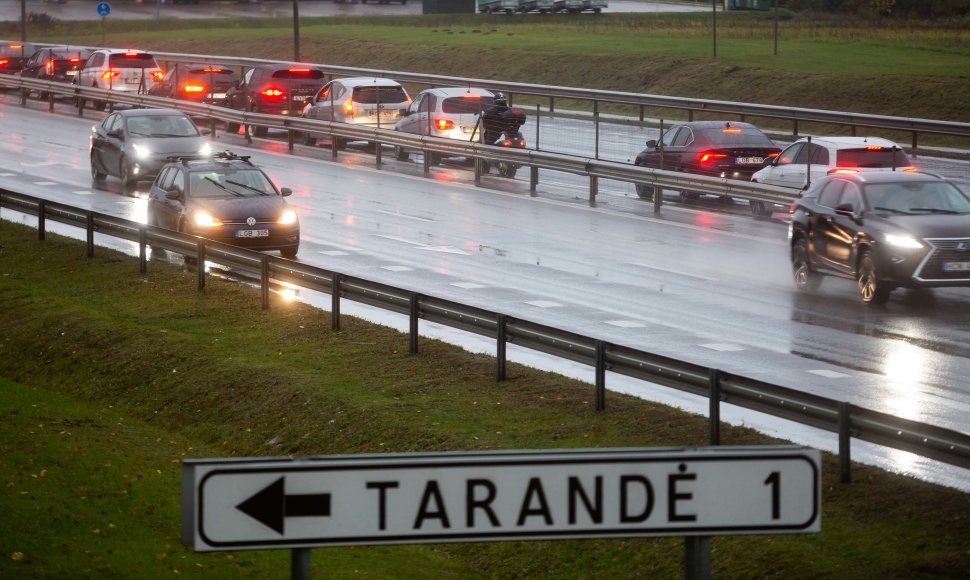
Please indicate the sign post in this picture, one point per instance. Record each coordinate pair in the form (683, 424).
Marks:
(230, 504)
(103, 9)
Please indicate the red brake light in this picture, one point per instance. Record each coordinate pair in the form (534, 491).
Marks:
(191, 88)
(710, 156)
(16, 46)
(506, 143)
(874, 148)
(731, 130)
(842, 171)
(299, 69)
(272, 93)
(50, 67)
(74, 60)
(212, 70)
(109, 74)
(131, 54)
(3, 61)
(774, 154)
(444, 124)
(467, 96)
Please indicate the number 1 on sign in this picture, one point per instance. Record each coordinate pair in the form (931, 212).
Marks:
(774, 480)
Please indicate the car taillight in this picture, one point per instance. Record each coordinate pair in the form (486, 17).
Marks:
(193, 88)
(212, 70)
(873, 148)
(109, 74)
(158, 75)
(911, 170)
(74, 60)
(3, 61)
(444, 124)
(50, 67)
(773, 155)
(792, 208)
(349, 107)
(299, 69)
(272, 93)
(710, 157)
(841, 171)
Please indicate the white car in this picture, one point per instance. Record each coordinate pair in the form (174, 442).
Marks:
(450, 113)
(828, 155)
(119, 70)
(370, 101)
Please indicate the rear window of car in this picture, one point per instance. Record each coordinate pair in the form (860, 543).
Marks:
(874, 157)
(465, 105)
(298, 73)
(737, 137)
(371, 95)
(132, 60)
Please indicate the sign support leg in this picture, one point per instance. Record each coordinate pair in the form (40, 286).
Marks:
(300, 563)
(697, 558)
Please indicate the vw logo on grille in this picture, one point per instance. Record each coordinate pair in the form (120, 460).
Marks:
(963, 246)
(250, 221)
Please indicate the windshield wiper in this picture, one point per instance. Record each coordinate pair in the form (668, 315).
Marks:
(249, 187)
(169, 135)
(222, 187)
(892, 210)
(934, 210)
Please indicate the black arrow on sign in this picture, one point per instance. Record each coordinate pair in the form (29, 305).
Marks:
(271, 506)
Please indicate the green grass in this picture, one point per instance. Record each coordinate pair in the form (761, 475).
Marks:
(111, 377)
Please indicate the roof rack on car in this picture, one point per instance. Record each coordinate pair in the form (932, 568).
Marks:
(224, 155)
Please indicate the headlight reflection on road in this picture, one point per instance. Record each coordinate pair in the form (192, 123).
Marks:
(905, 369)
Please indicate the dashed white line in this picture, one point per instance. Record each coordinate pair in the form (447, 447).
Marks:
(335, 253)
(828, 374)
(723, 346)
(626, 323)
(45, 183)
(543, 303)
(468, 285)
(677, 272)
(397, 268)
(83, 192)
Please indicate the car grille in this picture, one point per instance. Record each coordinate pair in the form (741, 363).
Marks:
(945, 251)
(242, 221)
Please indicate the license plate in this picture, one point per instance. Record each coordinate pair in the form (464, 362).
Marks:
(467, 129)
(749, 160)
(218, 95)
(71, 73)
(252, 234)
(956, 266)
(300, 98)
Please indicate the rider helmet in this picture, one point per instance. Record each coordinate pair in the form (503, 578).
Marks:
(500, 100)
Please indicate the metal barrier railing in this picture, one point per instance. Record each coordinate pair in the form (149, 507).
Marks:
(849, 421)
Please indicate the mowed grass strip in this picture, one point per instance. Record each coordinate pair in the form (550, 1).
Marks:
(112, 377)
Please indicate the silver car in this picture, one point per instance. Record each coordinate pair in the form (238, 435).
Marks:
(370, 101)
(450, 113)
(134, 144)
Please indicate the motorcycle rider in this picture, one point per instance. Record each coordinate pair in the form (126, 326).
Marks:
(493, 119)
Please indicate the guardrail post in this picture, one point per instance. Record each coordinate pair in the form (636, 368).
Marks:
(478, 170)
(593, 189)
(538, 114)
(552, 104)
(413, 334)
(427, 163)
(333, 147)
(23, 97)
(715, 407)
(697, 557)
(845, 442)
(50, 102)
(533, 180)
(641, 113)
(378, 155)
(794, 129)
(90, 236)
(914, 139)
(200, 263)
(80, 102)
(41, 220)
(853, 130)
(212, 127)
(600, 375)
(289, 139)
(596, 128)
(264, 281)
(142, 250)
(690, 115)
(335, 301)
(500, 338)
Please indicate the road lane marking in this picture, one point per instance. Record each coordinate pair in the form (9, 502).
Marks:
(677, 272)
(828, 374)
(723, 346)
(397, 268)
(45, 183)
(543, 303)
(468, 285)
(444, 250)
(626, 323)
(83, 192)
(335, 253)
(404, 215)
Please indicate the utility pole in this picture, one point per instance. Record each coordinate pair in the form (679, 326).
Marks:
(714, 25)
(296, 30)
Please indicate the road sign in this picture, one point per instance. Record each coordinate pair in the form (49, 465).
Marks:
(104, 8)
(230, 504)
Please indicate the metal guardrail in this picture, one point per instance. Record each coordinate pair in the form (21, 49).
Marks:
(849, 421)
(594, 169)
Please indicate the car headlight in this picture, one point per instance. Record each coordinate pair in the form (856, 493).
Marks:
(903, 241)
(141, 151)
(287, 217)
(206, 220)
(205, 150)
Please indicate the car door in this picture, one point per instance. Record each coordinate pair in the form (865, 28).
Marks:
(783, 172)
(652, 156)
(323, 103)
(91, 70)
(167, 212)
(825, 227)
(106, 154)
(409, 122)
(843, 230)
(238, 96)
(114, 141)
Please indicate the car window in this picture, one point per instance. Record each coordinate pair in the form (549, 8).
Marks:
(324, 93)
(874, 157)
(466, 104)
(132, 60)
(162, 126)
(801, 156)
(669, 135)
(820, 155)
(372, 95)
(919, 197)
(248, 76)
(165, 179)
(112, 122)
(830, 196)
(735, 136)
(96, 60)
(178, 181)
(851, 196)
(684, 137)
(230, 183)
(788, 155)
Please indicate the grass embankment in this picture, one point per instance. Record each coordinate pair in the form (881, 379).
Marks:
(108, 378)
(912, 69)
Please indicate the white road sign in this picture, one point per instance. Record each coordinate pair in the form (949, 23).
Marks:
(452, 497)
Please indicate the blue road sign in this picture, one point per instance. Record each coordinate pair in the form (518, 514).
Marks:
(104, 8)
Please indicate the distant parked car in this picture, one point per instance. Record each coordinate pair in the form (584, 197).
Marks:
(224, 198)
(203, 83)
(884, 230)
(370, 101)
(450, 113)
(273, 89)
(55, 63)
(119, 70)
(135, 143)
(727, 149)
(13, 54)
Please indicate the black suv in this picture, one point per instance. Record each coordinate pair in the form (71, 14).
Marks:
(56, 63)
(885, 230)
(202, 83)
(275, 90)
(224, 198)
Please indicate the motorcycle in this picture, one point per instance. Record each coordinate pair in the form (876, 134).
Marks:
(507, 126)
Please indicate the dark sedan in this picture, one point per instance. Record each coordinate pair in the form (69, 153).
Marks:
(727, 149)
(883, 230)
(224, 198)
(55, 63)
(13, 54)
(203, 83)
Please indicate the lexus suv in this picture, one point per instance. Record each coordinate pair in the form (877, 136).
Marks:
(884, 230)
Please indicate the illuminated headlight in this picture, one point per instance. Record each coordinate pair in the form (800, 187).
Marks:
(288, 217)
(902, 241)
(205, 150)
(205, 219)
(142, 152)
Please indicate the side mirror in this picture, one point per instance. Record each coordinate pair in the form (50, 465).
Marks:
(206, 131)
(651, 144)
(769, 161)
(847, 210)
(173, 195)
(116, 133)
(286, 191)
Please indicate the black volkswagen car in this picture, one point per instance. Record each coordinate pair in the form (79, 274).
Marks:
(224, 198)
(885, 230)
(728, 149)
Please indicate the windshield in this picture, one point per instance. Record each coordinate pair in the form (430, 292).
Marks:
(916, 198)
(374, 95)
(874, 157)
(737, 137)
(230, 183)
(162, 126)
(466, 105)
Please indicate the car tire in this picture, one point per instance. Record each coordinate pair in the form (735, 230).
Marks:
(128, 181)
(871, 288)
(806, 279)
(400, 154)
(289, 252)
(644, 191)
(688, 196)
(309, 140)
(508, 170)
(97, 176)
